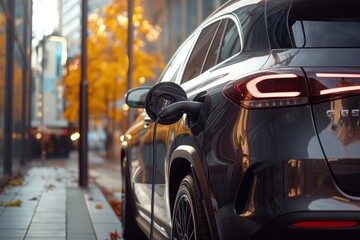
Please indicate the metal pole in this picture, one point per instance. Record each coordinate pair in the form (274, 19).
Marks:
(130, 53)
(83, 118)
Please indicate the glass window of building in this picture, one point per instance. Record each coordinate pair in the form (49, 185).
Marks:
(19, 20)
(17, 106)
(2, 83)
(191, 16)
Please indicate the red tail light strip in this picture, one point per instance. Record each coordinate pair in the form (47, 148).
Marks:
(254, 91)
(337, 75)
(325, 224)
(338, 89)
(283, 88)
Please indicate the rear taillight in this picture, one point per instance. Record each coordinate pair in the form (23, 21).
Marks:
(325, 224)
(269, 89)
(330, 84)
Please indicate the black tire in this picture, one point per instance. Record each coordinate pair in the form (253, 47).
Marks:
(131, 230)
(189, 220)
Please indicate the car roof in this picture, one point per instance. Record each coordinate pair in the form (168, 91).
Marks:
(231, 6)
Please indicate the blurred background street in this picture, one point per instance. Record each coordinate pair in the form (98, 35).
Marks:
(65, 68)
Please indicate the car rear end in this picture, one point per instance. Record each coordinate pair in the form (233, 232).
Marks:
(323, 40)
(311, 80)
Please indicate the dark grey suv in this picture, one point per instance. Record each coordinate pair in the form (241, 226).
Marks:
(274, 149)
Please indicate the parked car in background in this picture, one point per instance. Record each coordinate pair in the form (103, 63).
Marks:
(277, 152)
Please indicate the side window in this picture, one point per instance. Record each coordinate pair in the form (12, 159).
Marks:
(214, 49)
(231, 43)
(172, 70)
(197, 57)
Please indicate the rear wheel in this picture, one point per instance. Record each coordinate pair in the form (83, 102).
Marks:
(130, 228)
(189, 219)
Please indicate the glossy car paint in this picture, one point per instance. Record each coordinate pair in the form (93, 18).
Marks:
(258, 171)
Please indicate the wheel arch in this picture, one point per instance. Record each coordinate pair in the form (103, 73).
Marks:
(180, 167)
(123, 151)
(183, 160)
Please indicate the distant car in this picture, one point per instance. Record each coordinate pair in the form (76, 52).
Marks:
(278, 152)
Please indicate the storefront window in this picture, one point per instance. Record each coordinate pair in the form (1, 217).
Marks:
(208, 7)
(191, 16)
(19, 20)
(17, 107)
(2, 84)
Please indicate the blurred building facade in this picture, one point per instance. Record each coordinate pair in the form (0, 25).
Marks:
(49, 130)
(15, 53)
(177, 19)
(70, 21)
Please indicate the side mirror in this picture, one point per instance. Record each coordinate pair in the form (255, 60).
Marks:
(136, 97)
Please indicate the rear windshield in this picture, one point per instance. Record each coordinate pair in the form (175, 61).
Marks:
(314, 24)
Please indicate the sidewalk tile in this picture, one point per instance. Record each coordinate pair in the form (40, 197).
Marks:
(18, 212)
(38, 225)
(104, 218)
(103, 230)
(12, 232)
(10, 238)
(14, 223)
(48, 233)
(49, 220)
(54, 207)
(76, 236)
(53, 238)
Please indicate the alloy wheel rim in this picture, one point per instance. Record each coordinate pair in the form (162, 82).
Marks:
(184, 226)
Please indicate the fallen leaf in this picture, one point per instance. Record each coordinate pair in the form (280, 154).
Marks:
(114, 203)
(118, 212)
(16, 181)
(108, 193)
(114, 235)
(99, 206)
(16, 203)
(50, 186)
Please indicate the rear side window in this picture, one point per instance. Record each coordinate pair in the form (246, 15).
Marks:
(231, 43)
(197, 57)
(306, 24)
(214, 49)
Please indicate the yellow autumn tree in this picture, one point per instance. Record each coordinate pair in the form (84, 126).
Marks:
(107, 61)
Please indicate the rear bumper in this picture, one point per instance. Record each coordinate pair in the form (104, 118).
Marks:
(281, 227)
(281, 193)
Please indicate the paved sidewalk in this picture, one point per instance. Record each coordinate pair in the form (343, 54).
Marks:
(52, 206)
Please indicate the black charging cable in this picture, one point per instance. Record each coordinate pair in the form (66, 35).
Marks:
(188, 107)
(153, 181)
